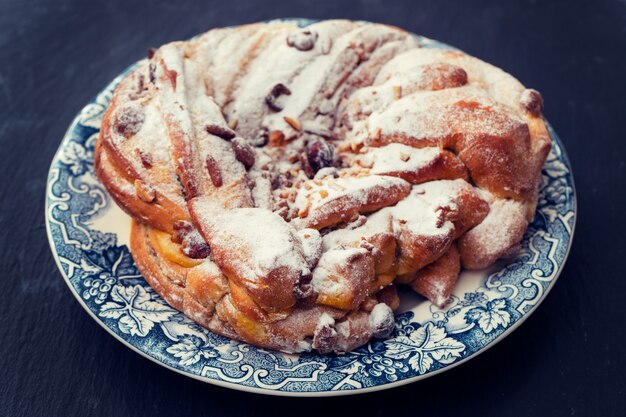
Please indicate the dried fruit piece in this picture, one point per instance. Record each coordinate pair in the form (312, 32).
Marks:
(261, 140)
(243, 152)
(320, 154)
(129, 120)
(272, 98)
(532, 101)
(152, 72)
(302, 40)
(194, 246)
(181, 229)
(192, 243)
(220, 131)
(214, 171)
(141, 87)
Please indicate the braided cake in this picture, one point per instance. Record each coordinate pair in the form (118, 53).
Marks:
(283, 180)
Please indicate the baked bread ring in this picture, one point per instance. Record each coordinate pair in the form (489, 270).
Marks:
(284, 180)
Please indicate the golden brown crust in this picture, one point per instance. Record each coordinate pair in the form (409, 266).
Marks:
(269, 275)
(437, 280)
(346, 203)
(445, 166)
(502, 229)
(281, 207)
(165, 280)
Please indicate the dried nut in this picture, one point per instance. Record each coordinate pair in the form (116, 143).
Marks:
(233, 124)
(365, 162)
(404, 157)
(129, 120)
(304, 211)
(146, 193)
(302, 40)
(335, 186)
(243, 152)
(397, 92)
(272, 98)
(276, 138)
(214, 171)
(356, 145)
(293, 122)
(220, 131)
(145, 157)
(362, 172)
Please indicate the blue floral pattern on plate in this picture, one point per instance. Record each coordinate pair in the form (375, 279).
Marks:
(87, 233)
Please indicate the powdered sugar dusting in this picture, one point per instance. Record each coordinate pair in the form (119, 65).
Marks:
(269, 241)
(435, 115)
(325, 191)
(325, 277)
(420, 210)
(379, 107)
(397, 157)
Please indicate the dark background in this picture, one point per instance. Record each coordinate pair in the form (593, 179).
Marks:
(568, 359)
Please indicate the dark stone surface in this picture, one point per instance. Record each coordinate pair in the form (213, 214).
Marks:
(567, 359)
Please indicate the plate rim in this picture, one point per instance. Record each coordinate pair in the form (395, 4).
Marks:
(322, 393)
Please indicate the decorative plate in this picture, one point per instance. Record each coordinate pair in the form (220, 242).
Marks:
(88, 234)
